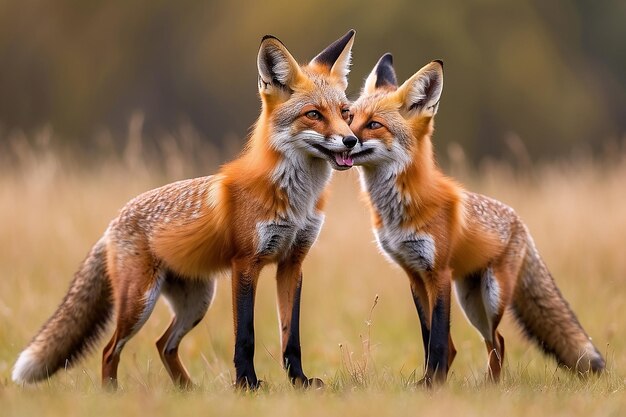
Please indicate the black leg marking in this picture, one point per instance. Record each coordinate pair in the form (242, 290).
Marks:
(423, 323)
(292, 356)
(244, 337)
(438, 343)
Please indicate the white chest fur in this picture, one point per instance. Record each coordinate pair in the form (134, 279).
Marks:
(278, 240)
(410, 248)
(415, 251)
(274, 238)
(302, 179)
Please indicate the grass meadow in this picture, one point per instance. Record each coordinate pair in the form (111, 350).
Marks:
(360, 332)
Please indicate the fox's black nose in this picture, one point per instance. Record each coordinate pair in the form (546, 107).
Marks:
(350, 141)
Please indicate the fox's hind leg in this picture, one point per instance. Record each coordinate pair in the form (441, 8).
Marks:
(136, 290)
(483, 301)
(495, 299)
(495, 355)
(189, 300)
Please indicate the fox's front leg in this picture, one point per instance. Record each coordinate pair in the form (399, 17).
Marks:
(420, 298)
(288, 288)
(438, 355)
(245, 274)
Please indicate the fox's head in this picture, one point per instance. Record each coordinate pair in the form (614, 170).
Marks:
(394, 123)
(305, 106)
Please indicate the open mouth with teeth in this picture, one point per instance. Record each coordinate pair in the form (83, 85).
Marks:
(343, 159)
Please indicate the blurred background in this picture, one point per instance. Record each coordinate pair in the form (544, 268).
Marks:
(103, 100)
(526, 76)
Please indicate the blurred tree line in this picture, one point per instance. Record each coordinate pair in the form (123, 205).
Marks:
(550, 75)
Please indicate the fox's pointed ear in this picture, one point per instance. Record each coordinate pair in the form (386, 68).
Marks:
(337, 56)
(382, 76)
(278, 70)
(421, 92)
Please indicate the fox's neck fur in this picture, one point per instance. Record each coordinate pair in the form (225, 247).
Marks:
(288, 185)
(409, 193)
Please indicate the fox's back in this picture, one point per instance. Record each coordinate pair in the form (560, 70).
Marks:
(182, 224)
(169, 203)
(489, 215)
(489, 228)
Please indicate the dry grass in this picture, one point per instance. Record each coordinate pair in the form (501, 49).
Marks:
(52, 210)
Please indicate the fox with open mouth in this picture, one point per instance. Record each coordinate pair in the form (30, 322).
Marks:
(263, 207)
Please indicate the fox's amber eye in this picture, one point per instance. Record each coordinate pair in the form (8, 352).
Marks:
(374, 125)
(345, 113)
(313, 115)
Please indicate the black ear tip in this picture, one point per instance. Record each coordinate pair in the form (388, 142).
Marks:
(270, 37)
(346, 38)
(385, 74)
(439, 61)
(386, 59)
(332, 52)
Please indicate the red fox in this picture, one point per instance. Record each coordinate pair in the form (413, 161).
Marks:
(438, 233)
(264, 207)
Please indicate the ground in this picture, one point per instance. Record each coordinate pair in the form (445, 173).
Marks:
(369, 353)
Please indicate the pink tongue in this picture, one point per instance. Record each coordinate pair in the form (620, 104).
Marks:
(341, 161)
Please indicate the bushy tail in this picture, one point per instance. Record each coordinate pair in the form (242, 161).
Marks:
(547, 318)
(74, 327)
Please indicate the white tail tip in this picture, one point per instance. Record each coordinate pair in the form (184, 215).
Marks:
(26, 369)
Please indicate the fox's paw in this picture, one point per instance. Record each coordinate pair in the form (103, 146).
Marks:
(245, 384)
(426, 382)
(187, 386)
(431, 381)
(308, 383)
(109, 385)
(314, 383)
